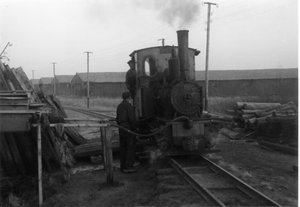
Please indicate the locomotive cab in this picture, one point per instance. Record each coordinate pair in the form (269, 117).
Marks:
(167, 95)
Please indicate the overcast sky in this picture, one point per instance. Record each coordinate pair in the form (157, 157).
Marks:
(245, 34)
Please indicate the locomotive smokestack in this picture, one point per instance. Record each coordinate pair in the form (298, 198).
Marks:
(183, 45)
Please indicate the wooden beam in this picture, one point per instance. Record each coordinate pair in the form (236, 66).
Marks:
(75, 125)
(82, 119)
(102, 135)
(39, 146)
(109, 156)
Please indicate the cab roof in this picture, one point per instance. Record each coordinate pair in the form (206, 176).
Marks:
(197, 52)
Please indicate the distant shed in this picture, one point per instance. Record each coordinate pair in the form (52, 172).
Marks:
(47, 83)
(287, 73)
(102, 84)
(63, 84)
(270, 84)
(35, 83)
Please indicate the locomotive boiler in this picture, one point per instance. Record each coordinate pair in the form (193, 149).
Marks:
(167, 99)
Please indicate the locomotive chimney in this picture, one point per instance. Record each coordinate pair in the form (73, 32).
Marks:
(183, 45)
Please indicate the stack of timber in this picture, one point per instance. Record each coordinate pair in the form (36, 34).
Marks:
(274, 125)
(252, 115)
(94, 146)
(18, 149)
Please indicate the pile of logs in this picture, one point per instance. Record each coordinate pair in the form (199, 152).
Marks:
(274, 125)
(18, 150)
(252, 115)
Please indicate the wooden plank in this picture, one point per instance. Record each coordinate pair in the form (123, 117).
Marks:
(12, 79)
(74, 136)
(26, 144)
(6, 156)
(255, 106)
(102, 135)
(14, 122)
(109, 156)
(71, 132)
(23, 112)
(19, 79)
(22, 77)
(3, 83)
(39, 147)
(75, 125)
(15, 153)
(94, 148)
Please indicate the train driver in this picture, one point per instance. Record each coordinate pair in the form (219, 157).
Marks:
(126, 119)
(131, 78)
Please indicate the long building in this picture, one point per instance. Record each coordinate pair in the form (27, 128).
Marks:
(104, 84)
(272, 84)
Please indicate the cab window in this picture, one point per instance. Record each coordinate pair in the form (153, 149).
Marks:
(149, 66)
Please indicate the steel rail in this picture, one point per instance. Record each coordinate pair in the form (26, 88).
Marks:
(242, 184)
(208, 195)
(91, 112)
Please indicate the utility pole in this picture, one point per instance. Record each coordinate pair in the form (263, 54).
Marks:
(87, 78)
(32, 79)
(207, 53)
(54, 81)
(162, 41)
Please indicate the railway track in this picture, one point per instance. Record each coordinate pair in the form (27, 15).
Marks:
(93, 112)
(217, 186)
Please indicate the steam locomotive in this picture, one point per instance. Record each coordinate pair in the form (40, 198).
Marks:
(167, 96)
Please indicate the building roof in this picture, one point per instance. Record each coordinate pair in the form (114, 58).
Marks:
(35, 81)
(102, 77)
(46, 80)
(119, 77)
(248, 74)
(166, 46)
(64, 78)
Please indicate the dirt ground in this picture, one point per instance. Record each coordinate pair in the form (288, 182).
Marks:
(90, 189)
(268, 171)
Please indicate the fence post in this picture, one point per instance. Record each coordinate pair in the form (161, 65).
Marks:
(40, 170)
(108, 155)
(102, 135)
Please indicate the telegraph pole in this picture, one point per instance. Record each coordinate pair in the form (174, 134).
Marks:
(32, 79)
(207, 52)
(87, 78)
(54, 81)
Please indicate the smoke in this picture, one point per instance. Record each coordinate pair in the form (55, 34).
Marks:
(179, 14)
(176, 13)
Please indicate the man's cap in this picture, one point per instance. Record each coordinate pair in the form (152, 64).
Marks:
(131, 61)
(125, 95)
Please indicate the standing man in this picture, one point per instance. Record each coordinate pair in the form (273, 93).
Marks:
(131, 78)
(126, 119)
